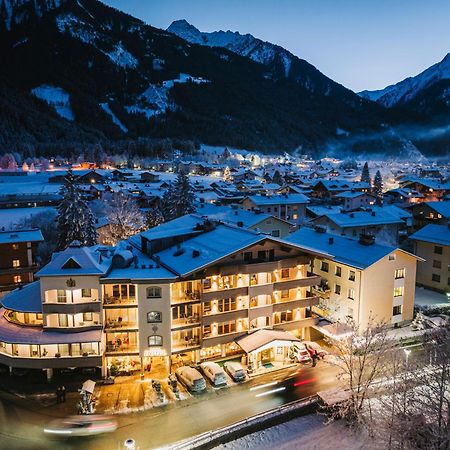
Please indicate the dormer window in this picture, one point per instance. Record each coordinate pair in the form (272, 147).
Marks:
(71, 264)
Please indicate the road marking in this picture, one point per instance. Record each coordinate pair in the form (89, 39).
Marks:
(262, 394)
(262, 386)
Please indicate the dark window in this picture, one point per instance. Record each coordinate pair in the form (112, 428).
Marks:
(262, 255)
(271, 254)
(438, 250)
(284, 273)
(437, 264)
(276, 233)
(154, 292)
(155, 341)
(338, 271)
(248, 256)
(396, 310)
(324, 266)
(436, 277)
(351, 275)
(154, 317)
(337, 289)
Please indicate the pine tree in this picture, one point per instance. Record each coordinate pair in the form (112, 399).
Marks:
(75, 219)
(227, 174)
(277, 178)
(365, 174)
(178, 200)
(378, 186)
(154, 218)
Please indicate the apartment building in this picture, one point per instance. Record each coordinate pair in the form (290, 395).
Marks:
(184, 291)
(432, 243)
(17, 262)
(360, 279)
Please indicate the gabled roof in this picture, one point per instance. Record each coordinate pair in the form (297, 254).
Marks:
(342, 249)
(259, 338)
(89, 260)
(361, 218)
(352, 194)
(176, 227)
(442, 208)
(26, 299)
(436, 234)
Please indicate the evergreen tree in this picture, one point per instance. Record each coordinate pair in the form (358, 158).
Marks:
(277, 178)
(227, 174)
(75, 219)
(365, 174)
(178, 200)
(378, 186)
(154, 218)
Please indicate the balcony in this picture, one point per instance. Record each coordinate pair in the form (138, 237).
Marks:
(187, 297)
(71, 308)
(310, 280)
(186, 322)
(231, 292)
(257, 266)
(295, 324)
(122, 349)
(117, 324)
(181, 346)
(117, 302)
(212, 340)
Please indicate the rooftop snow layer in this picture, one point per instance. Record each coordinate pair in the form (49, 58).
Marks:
(26, 299)
(436, 234)
(20, 236)
(290, 199)
(344, 250)
(362, 218)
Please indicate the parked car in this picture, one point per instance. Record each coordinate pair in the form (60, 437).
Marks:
(235, 370)
(191, 378)
(215, 373)
(83, 425)
(299, 353)
(313, 347)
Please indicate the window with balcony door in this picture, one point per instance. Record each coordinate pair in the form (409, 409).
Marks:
(400, 273)
(351, 294)
(154, 317)
(61, 296)
(337, 289)
(398, 291)
(155, 340)
(226, 327)
(397, 310)
(154, 292)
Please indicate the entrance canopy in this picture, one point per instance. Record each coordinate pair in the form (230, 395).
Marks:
(334, 330)
(261, 338)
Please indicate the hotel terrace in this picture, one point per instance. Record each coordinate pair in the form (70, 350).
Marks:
(187, 290)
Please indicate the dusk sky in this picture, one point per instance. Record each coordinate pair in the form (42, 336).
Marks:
(363, 44)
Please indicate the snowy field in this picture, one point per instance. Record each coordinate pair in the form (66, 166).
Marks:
(426, 297)
(9, 217)
(308, 433)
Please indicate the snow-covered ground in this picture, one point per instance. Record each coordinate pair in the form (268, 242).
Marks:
(10, 217)
(308, 433)
(426, 297)
(56, 97)
(114, 118)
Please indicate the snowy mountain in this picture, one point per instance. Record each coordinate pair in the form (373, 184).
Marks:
(279, 61)
(407, 90)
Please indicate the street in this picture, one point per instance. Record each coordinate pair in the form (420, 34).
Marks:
(22, 428)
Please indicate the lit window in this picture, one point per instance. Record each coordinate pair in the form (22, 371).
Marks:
(399, 273)
(154, 317)
(295, 216)
(154, 292)
(398, 291)
(16, 263)
(397, 310)
(17, 279)
(155, 341)
(15, 246)
(61, 296)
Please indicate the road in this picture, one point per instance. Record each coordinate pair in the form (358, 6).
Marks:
(21, 428)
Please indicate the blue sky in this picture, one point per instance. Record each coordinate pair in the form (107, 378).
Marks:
(363, 44)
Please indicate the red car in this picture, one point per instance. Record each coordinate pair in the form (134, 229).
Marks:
(313, 347)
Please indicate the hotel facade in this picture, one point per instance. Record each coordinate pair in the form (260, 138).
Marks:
(186, 291)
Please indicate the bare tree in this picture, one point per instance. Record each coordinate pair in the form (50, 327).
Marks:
(360, 358)
(124, 217)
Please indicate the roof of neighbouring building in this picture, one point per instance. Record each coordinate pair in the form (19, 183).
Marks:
(436, 234)
(362, 218)
(15, 236)
(342, 249)
(289, 199)
(442, 208)
(259, 338)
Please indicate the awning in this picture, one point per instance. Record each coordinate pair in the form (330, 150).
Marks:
(88, 386)
(260, 338)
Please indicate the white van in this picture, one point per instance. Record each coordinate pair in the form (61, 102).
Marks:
(235, 370)
(215, 373)
(299, 353)
(191, 378)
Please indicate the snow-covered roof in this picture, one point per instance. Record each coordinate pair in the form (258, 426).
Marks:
(288, 199)
(177, 227)
(259, 338)
(17, 334)
(76, 260)
(442, 208)
(342, 249)
(25, 299)
(351, 194)
(361, 218)
(15, 236)
(436, 234)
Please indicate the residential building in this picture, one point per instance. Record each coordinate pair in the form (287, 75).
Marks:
(17, 262)
(432, 243)
(437, 213)
(360, 279)
(352, 200)
(290, 207)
